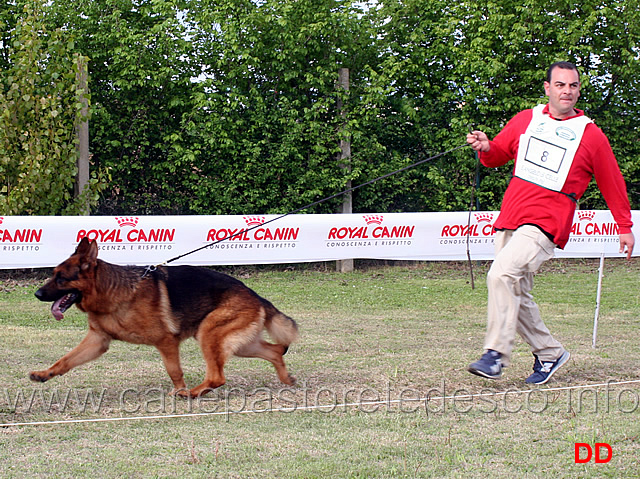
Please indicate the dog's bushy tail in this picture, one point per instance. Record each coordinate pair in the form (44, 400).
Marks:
(282, 329)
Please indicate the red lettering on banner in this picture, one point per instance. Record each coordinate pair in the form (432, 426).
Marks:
(487, 230)
(238, 234)
(223, 234)
(595, 229)
(102, 236)
(281, 234)
(111, 236)
(604, 229)
(358, 232)
(261, 234)
(575, 229)
(394, 232)
(21, 236)
(462, 230)
(157, 235)
(379, 232)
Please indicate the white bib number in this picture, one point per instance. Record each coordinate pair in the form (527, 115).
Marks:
(547, 149)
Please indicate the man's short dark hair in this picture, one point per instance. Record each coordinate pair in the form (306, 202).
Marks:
(563, 65)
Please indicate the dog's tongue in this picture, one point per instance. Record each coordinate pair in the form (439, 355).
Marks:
(56, 310)
(61, 305)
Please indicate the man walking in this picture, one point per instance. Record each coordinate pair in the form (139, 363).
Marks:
(557, 150)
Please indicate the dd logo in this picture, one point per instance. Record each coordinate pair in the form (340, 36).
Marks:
(598, 447)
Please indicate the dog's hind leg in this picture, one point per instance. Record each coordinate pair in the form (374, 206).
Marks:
(272, 353)
(170, 351)
(91, 347)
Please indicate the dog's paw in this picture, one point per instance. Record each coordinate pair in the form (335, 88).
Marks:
(292, 380)
(182, 392)
(40, 376)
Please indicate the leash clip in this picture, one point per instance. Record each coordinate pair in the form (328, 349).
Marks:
(149, 269)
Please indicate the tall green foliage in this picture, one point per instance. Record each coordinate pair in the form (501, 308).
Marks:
(266, 130)
(418, 99)
(39, 107)
(479, 64)
(231, 106)
(142, 64)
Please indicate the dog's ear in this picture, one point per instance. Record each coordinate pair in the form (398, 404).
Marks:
(88, 251)
(83, 246)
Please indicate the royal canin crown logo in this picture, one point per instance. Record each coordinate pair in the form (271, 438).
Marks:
(373, 219)
(254, 220)
(586, 215)
(484, 217)
(1, 219)
(127, 221)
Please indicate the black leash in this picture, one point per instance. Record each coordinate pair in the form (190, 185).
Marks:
(153, 268)
(474, 185)
(473, 190)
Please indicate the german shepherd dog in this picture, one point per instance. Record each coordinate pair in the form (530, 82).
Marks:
(162, 308)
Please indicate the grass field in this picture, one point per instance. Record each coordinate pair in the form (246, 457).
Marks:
(382, 391)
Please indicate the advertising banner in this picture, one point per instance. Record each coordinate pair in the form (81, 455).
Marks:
(44, 241)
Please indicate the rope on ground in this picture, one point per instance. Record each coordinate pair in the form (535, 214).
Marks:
(360, 404)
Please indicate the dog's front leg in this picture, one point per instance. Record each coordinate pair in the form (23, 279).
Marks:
(91, 347)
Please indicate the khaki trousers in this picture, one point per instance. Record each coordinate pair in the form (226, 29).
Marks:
(511, 309)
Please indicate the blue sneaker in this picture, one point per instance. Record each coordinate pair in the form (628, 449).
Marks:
(542, 371)
(488, 366)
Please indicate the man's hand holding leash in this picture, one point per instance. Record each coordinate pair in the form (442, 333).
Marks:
(478, 141)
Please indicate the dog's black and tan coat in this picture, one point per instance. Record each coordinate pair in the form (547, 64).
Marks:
(162, 308)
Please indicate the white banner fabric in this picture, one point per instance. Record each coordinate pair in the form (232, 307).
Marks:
(44, 241)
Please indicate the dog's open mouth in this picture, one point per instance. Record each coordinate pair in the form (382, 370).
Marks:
(60, 306)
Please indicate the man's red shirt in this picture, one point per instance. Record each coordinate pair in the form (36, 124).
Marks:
(527, 203)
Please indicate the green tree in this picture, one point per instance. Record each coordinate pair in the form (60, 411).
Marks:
(414, 98)
(230, 106)
(38, 110)
(266, 130)
(485, 62)
(8, 19)
(142, 67)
